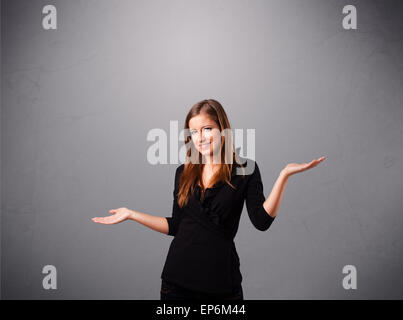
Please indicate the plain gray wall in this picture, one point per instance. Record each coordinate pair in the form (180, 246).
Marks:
(78, 102)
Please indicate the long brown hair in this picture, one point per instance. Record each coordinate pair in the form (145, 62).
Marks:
(192, 172)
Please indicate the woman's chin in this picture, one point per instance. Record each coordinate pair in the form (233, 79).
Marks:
(205, 152)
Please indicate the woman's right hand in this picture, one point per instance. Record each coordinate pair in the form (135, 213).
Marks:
(117, 215)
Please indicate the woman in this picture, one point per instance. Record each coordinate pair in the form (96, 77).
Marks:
(209, 193)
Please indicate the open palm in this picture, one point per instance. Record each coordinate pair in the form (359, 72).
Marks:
(117, 215)
(293, 168)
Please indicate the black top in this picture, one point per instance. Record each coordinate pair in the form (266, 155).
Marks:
(202, 255)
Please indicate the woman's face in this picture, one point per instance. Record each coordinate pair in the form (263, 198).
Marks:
(205, 134)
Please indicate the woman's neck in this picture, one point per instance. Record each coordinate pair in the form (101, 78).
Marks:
(212, 166)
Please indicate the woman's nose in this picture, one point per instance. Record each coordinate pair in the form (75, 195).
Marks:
(203, 138)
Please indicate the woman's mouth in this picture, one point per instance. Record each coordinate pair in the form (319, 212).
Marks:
(204, 145)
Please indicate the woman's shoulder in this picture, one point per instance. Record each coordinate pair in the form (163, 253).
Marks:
(179, 169)
(248, 164)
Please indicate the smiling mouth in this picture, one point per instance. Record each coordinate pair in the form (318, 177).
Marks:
(204, 144)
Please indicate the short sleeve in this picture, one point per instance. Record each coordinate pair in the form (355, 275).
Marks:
(254, 201)
(174, 219)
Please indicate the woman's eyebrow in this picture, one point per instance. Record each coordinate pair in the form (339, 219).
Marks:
(208, 125)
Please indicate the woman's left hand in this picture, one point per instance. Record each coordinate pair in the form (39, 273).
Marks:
(293, 168)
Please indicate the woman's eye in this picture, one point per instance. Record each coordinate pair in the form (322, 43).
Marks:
(194, 131)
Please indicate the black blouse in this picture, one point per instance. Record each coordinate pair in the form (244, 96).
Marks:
(202, 255)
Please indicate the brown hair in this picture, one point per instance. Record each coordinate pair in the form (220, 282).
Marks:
(193, 168)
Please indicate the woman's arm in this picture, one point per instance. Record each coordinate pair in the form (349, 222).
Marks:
(166, 225)
(272, 203)
(159, 224)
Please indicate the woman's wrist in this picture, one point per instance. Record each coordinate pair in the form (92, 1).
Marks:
(284, 173)
(133, 215)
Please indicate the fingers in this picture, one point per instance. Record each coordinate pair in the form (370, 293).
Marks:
(106, 220)
(315, 162)
(97, 219)
(103, 220)
(319, 160)
(308, 165)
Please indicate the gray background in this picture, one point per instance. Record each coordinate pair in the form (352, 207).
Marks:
(78, 102)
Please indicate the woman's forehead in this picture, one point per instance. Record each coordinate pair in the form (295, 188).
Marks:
(200, 121)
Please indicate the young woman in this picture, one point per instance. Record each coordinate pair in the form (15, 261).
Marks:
(210, 189)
